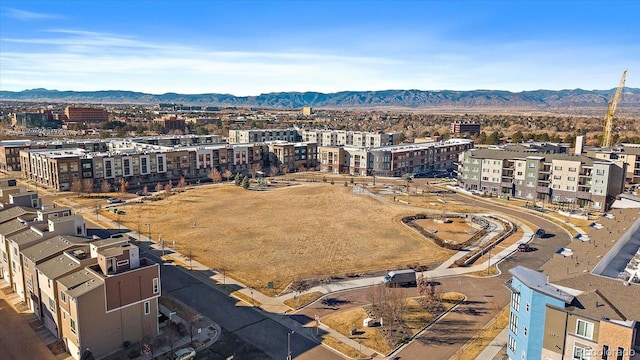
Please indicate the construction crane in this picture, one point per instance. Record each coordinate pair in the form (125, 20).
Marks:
(607, 136)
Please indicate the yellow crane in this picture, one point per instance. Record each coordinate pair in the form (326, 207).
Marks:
(607, 136)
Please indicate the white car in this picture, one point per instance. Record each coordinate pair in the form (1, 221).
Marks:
(185, 354)
(114, 200)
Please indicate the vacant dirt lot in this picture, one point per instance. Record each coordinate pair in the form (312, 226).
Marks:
(458, 230)
(304, 231)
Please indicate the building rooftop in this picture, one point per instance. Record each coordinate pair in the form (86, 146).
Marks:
(49, 247)
(14, 212)
(63, 263)
(12, 226)
(505, 154)
(81, 282)
(25, 237)
(540, 282)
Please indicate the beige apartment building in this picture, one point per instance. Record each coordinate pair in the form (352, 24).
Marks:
(628, 154)
(109, 303)
(563, 179)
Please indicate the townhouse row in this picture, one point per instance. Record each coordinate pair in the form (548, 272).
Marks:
(147, 161)
(557, 178)
(93, 294)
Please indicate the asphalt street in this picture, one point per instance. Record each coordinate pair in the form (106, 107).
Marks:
(249, 324)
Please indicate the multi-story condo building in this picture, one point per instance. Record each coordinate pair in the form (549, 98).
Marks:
(293, 156)
(137, 164)
(43, 119)
(171, 123)
(393, 160)
(263, 135)
(458, 128)
(628, 154)
(573, 310)
(86, 115)
(349, 138)
(563, 179)
(10, 154)
(110, 303)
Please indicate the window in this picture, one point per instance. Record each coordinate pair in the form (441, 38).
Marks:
(123, 263)
(147, 308)
(63, 297)
(572, 169)
(557, 168)
(52, 305)
(513, 324)
(524, 331)
(512, 344)
(584, 329)
(571, 178)
(73, 325)
(605, 352)
(527, 307)
(156, 285)
(580, 353)
(620, 353)
(515, 301)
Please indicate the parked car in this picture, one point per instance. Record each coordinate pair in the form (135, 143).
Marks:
(540, 233)
(523, 247)
(114, 200)
(185, 354)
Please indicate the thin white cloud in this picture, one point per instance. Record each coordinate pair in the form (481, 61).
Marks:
(85, 60)
(29, 15)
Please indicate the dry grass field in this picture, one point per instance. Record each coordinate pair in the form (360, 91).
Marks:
(305, 231)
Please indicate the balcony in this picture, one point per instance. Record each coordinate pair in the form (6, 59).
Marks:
(543, 190)
(583, 195)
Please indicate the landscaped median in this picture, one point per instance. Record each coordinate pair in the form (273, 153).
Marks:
(385, 335)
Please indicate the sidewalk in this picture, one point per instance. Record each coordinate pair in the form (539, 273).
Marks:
(494, 348)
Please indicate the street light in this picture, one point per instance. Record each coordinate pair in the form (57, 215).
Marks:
(149, 227)
(289, 344)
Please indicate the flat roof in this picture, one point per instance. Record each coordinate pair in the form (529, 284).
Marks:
(539, 282)
(59, 265)
(81, 282)
(51, 246)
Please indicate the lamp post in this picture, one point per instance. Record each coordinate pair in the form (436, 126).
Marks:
(149, 227)
(289, 344)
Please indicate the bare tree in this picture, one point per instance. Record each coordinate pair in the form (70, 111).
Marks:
(192, 320)
(148, 346)
(298, 287)
(105, 187)
(227, 174)
(254, 169)
(284, 169)
(182, 183)
(159, 187)
(273, 171)
(124, 185)
(87, 186)
(76, 186)
(215, 176)
(167, 189)
(145, 191)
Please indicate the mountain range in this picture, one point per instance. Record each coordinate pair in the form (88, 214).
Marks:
(537, 99)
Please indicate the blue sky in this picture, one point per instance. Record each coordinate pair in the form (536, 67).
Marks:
(253, 47)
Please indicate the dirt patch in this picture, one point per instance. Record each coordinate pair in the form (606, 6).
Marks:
(57, 347)
(458, 230)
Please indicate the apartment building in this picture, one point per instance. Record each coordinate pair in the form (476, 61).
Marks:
(171, 123)
(293, 156)
(562, 179)
(582, 303)
(458, 128)
(85, 115)
(332, 159)
(349, 138)
(136, 163)
(43, 119)
(263, 135)
(628, 154)
(111, 302)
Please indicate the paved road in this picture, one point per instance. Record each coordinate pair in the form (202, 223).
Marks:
(249, 324)
(484, 295)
